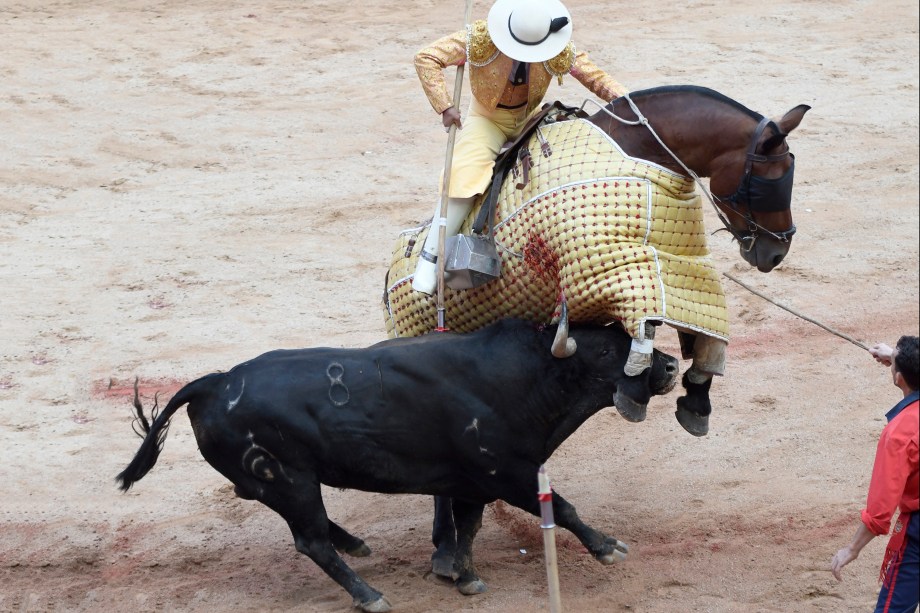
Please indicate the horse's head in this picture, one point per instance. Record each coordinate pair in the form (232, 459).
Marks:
(757, 207)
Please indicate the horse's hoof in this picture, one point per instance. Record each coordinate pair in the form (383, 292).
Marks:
(381, 605)
(471, 588)
(362, 551)
(629, 408)
(694, 423)
(443, 566)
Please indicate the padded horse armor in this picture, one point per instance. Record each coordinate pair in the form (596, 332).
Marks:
(621, 238)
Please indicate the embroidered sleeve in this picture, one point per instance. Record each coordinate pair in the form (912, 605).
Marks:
(599, 82)
(430, 63)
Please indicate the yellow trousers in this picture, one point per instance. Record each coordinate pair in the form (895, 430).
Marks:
(478, 144)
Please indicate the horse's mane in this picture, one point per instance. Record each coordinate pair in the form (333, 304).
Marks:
(695, 89)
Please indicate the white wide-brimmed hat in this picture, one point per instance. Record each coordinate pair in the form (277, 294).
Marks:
(530, 30)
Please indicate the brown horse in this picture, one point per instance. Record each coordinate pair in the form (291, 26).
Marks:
(694, 132)
(701, 133)
(744, 154)
(668, 135)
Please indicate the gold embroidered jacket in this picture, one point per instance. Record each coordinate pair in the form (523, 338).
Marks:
(489, 70)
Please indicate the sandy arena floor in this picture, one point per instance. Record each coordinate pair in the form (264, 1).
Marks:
(184, 185)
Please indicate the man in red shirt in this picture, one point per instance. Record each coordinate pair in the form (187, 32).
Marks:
(895, 484)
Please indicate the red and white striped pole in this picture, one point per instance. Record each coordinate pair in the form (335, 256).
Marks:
(545, 496)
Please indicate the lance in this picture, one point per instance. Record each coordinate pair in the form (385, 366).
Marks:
(545, 496)
(445, 185)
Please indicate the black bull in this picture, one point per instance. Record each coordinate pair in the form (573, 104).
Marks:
(470, 416)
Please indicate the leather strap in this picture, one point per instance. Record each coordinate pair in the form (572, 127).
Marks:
(507, 159)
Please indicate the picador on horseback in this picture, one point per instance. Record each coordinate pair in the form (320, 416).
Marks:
(601, 211)
(512, 58)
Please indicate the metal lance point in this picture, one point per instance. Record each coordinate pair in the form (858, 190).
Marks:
(545, 496)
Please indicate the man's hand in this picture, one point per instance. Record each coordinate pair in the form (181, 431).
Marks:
(882, 353)
(450, 117)
(841, 559)
(851, 551)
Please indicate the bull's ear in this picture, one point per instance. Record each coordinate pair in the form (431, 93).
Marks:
(790, 121)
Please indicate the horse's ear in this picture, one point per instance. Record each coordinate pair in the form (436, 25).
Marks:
(773, 142)
(790, 121)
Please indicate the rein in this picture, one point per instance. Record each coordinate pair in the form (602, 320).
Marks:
(746, 240)
(797, 314)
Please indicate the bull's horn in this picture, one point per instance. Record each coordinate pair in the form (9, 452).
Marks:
(563, 346)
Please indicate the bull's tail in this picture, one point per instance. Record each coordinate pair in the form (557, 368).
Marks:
(155, 434)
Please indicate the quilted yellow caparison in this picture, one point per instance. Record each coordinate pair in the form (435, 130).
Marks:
(623, 240)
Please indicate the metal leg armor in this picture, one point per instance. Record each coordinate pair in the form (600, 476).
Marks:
(426, 271)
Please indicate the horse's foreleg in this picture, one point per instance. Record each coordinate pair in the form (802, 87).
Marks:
(694, 409)
(633, 392)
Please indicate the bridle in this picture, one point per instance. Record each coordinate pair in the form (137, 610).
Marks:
(755, 192)
(760, 195)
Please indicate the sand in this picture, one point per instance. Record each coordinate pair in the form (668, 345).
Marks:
(184, 185)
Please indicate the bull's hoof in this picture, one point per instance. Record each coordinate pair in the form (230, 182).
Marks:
(361, 551)
(694, 423)
(630, 409)
(381, 605)
(433, 578)
(443, 566)
(471, 588)
(620, 549)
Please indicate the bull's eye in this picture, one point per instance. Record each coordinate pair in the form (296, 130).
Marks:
(604, 352)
